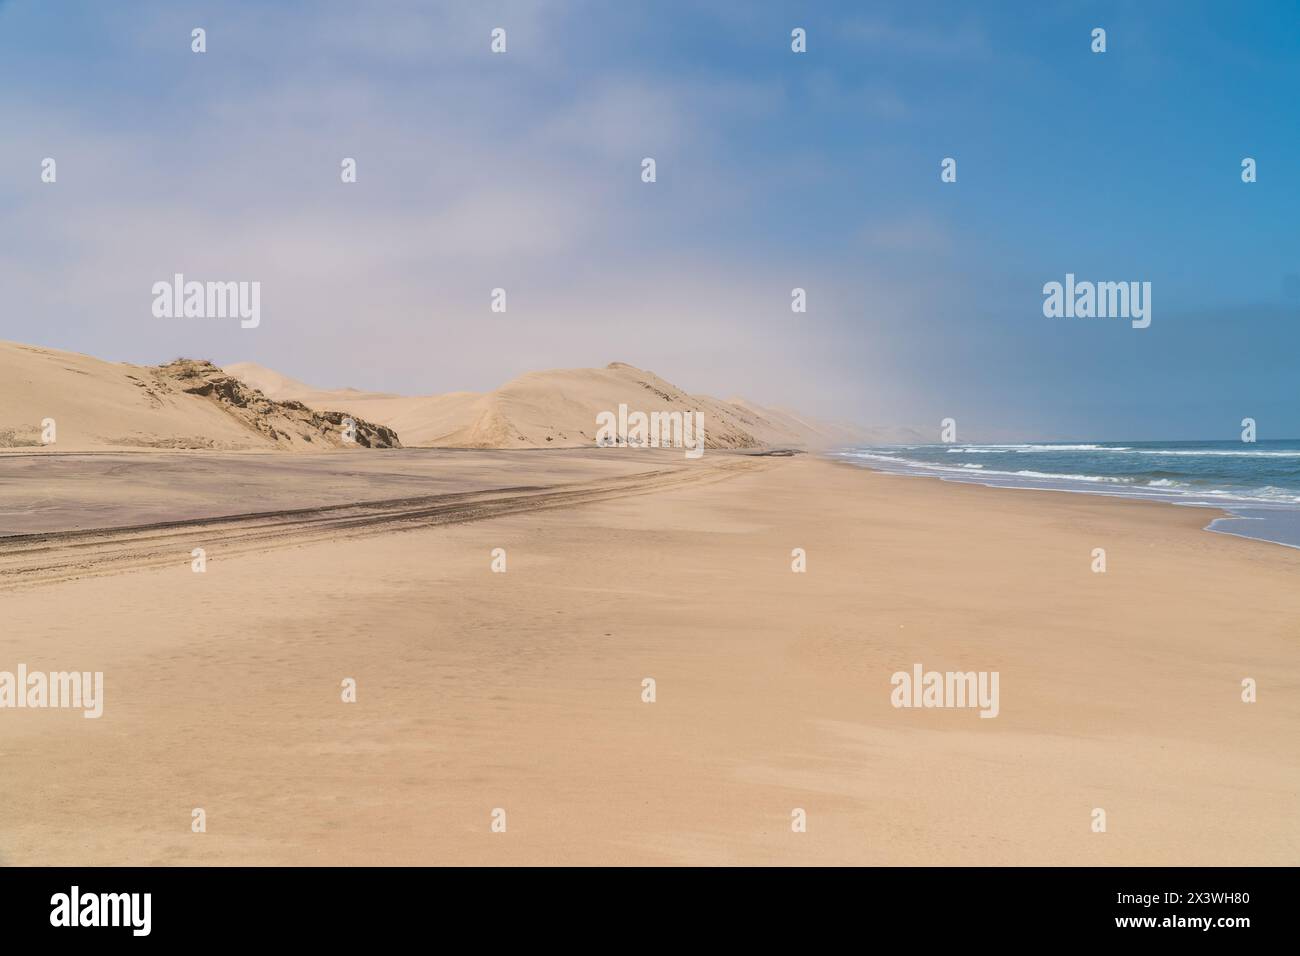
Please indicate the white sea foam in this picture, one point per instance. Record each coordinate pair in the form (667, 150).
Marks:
(1274, 508)
(1060, 477)
(1119, 450)
(1216, 453)
(1025, 449)
(1131, 486)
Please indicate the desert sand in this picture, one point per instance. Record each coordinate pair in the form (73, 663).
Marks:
(522, 690)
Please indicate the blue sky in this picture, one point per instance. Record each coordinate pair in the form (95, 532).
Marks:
(775, 170)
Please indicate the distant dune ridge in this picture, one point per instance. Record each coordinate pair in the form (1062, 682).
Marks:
(185, 404)
(192, 404)
(555, 409)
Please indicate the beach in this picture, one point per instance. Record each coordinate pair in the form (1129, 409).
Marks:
(523, 691)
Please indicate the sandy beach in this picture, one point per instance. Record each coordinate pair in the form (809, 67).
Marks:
(522, 690)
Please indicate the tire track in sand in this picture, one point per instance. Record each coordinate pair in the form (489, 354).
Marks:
(43, 558)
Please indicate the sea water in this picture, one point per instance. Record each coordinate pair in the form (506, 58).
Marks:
(1258, 483)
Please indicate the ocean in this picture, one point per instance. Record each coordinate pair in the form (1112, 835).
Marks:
(1258, 483)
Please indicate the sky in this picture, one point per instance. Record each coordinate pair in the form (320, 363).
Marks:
(775, 170)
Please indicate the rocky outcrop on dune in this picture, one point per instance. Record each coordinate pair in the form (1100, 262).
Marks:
(283, 422)
(63, 401)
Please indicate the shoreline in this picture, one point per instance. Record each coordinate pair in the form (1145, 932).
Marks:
(1285, 519)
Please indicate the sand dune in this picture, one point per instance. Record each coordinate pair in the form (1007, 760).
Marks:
(192, 404)
(555, 409)
(94, 404)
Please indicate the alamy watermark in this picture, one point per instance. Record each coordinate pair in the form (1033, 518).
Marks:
(922, 688)
(130, 910)
(179, 299)
(54, 689)
(653, 430)
(1101, 300)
